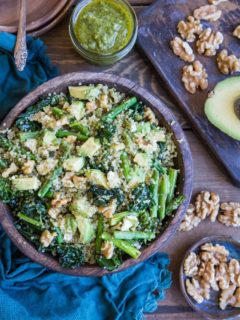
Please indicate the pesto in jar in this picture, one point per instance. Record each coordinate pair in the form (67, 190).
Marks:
(104, 26)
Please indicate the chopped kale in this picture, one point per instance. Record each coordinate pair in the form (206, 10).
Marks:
(70, 256)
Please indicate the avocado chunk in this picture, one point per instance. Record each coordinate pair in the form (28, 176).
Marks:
(22, 184)
(84, 92)
(82, 207)
(220, 107)
(142, 159)
(74, 164)
(89, 148)
(137, 176)
(97, 177)
(49, 138)
(86, 229)
(77, 109)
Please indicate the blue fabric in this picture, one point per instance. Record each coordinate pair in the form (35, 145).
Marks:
(29, 291)
(15, 84)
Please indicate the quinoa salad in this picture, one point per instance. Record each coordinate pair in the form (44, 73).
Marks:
(89, 176)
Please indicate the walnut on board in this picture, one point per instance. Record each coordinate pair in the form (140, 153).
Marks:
(230, 214)
(189, 28)
(227, 64)
(194, 76)
(209, 42)
(207, 204)
(182, 49)
(207, 12)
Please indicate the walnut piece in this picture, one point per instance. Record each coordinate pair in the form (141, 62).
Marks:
(226, 296)
(191, 264)
(236, 32)
(149, 115)
(234, 271)
(227, 63)
(207, 204)
(223, 276)
(208, 42)
(47, 237)
(189, 29)
(230, 214)
(182, 49)
(107, 249)
(109, 210)
(196, 291)
(58, 201)
(194, 76)
(208, 12)
(28, 167)
(190, 220)
(219, 251)
(216, 2)
(10, 170)
(235, 301)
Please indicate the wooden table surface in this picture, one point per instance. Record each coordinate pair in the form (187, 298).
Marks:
(208, 175)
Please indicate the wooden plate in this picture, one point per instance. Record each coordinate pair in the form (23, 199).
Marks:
(166, 118)
(39, 13)
(54, 21)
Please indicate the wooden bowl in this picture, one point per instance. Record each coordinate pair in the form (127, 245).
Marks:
(183, 162)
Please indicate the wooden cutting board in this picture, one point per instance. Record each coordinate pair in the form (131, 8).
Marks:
(157, 26)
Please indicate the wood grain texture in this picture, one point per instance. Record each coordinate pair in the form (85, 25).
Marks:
(208, 174)
(157, 26)
(166, 119)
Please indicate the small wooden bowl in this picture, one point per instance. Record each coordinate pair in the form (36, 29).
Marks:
(183, 162)
(210, 309)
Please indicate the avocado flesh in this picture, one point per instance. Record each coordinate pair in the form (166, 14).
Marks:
(219, 107)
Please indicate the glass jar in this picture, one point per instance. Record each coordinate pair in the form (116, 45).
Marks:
(98, 58)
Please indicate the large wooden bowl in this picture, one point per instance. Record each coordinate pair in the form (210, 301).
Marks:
(183, 162)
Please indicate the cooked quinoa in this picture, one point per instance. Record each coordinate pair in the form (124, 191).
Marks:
(89, 175)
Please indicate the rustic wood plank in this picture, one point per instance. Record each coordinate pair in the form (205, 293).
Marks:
(157, 27)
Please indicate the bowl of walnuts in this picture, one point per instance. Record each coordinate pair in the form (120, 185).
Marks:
(210, 277)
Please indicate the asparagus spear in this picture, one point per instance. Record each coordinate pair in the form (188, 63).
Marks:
(78, 126)
(44, 190)
(154, 192)
(100, 228)
(58, 112)
(67, 133)
(122, 245)
(48, 183)
(174, 204)
(172, 174)
(126, 165)
(119, 216)
(111, 115)
(29, 220)
(133, 235)
(163, 193)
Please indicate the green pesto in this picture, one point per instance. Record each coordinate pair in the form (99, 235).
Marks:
(104, 26)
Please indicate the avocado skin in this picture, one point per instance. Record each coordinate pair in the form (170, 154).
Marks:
(219, 107)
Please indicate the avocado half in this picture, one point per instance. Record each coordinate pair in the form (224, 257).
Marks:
(222, 108)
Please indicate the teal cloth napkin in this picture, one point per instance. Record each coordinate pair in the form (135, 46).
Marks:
(29, 291)
(15, 84)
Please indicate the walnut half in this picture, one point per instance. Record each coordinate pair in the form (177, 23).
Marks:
(207, 204)
(230, 214)
(190, 28)
(209, 42)
(190, 220)
(195, 76)
(227, 63)
(208, 12)
(182, 49)
(191, 264)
